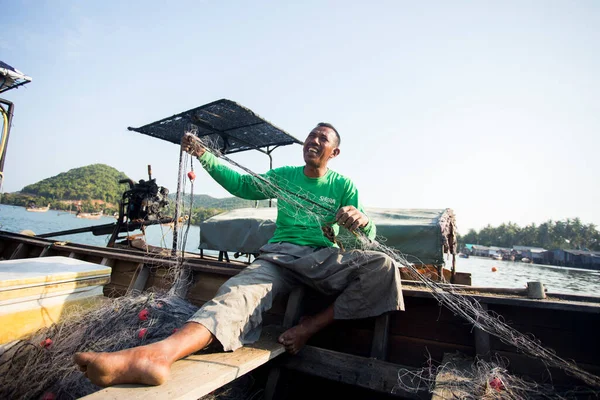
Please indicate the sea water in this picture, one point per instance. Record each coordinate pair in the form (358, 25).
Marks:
(17, 219)
(511, 274)
(507, 273)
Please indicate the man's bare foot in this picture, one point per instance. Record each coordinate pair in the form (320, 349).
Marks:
(296, 337)
(143, 365)
(147, 365)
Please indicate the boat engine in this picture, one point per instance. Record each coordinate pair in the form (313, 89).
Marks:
(145, 200)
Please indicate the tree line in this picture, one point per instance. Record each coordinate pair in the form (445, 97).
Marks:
(550, 235)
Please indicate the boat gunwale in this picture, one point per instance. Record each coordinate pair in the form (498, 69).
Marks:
(211, 265)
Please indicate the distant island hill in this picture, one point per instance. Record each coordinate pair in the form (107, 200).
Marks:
(96, 188)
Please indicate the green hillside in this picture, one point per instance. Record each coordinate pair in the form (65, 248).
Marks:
(92, 182)
(96, 182)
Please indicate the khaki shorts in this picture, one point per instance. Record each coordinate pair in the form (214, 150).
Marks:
(366, 283)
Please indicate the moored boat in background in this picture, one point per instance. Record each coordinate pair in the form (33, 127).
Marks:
(33, 208)
(95, 215)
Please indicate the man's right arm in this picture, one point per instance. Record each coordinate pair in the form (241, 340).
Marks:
(244, 186)
(240, 185)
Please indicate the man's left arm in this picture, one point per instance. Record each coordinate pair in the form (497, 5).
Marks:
(352, 215)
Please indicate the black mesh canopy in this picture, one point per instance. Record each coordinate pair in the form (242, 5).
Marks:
(232, 127)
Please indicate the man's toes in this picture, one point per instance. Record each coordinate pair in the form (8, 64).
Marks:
(84, 358)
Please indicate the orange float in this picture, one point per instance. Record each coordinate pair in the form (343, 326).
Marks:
(494, 269)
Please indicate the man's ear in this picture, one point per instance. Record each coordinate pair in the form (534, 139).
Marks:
(335, 152)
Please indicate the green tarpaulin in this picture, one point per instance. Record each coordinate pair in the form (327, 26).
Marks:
(423, 236)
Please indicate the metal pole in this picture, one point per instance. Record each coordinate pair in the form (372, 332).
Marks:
(177, 200)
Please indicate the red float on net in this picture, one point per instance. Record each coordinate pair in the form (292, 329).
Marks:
(143, 315)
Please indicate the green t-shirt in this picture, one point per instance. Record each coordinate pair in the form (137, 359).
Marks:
(304, 204)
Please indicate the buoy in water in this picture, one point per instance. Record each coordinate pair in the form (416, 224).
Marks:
(494, 269)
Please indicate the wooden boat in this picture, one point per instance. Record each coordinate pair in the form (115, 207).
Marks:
(365, 354)
(34, 208)
(95, 215)
(359, 359)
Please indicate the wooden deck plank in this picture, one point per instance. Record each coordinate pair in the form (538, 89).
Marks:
(198, 375)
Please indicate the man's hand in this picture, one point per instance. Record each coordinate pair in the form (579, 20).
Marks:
(192, 145)
(350, 218)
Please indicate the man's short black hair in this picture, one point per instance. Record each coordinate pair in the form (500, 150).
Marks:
(328, 125)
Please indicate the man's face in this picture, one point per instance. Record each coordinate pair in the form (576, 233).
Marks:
(320, 146)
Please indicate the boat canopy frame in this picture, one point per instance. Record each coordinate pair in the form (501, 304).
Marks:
(11, 78)
(227, 125)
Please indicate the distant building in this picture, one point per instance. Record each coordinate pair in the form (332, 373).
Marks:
(494, 251)
(574, 258)
(481, 251)
(535, 254)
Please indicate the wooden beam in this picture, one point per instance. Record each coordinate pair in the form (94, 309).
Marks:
(107, 262)
(45, 250)
(379, 346)
(482, 340)
(19, 252)
(272, 383)
(293, 310)
(368, 373)
(197, 375)
(450, 382)
(138, 284)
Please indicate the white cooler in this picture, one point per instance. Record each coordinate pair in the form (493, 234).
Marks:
(37, 292)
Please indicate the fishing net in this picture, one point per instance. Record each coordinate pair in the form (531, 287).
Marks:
(459, 378)
(457, 302)
(42, 365)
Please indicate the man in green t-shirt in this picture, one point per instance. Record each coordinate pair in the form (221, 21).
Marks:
(313, 202)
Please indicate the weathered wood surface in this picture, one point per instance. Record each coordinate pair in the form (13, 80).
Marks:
(33, 246)
(368, 373)
(379, 345)
(561, 322)
(198, 375)
(138, 282)
(452, 381)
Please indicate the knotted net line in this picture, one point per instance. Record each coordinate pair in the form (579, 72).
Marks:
(33, 367)
(460, 304)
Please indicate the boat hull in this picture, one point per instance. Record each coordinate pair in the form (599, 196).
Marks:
(422, 334)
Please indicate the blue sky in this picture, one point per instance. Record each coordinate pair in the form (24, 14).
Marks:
(491, 108)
